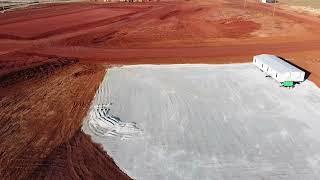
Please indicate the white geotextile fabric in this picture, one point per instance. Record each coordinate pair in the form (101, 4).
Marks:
(220, 122)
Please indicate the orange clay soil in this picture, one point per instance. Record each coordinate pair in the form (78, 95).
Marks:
(41, 111)
(52, 57)
(78, 158)
(160, 32)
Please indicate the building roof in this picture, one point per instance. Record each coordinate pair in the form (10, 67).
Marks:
(276, 63)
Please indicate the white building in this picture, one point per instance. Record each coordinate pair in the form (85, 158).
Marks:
(278, 69)
(268, 1)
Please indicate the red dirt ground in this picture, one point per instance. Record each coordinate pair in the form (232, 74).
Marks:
(52, 59)
(78, 158)
(41, 111)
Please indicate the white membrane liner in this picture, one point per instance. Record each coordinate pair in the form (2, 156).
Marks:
(215, 122)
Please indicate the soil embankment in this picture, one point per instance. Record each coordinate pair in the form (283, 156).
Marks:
(78, 158)
(41, 111)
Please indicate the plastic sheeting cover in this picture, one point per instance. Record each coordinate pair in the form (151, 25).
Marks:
(220, 122)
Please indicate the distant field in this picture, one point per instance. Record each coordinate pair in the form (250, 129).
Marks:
(10, 4)
(308, 6)
(307, 3)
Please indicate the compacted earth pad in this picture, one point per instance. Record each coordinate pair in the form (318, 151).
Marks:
(206, 122)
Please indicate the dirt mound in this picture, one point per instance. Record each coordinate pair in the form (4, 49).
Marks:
(169, 14)
(78, 158)
(236, 27)
(39, 122)
(39, 70)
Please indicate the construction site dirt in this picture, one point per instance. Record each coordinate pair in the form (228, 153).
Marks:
(53, 58)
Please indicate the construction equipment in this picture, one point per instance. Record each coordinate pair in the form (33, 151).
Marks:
(289, 84)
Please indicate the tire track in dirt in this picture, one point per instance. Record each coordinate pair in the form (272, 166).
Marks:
(68, 29)
(33, 17)
(170, 14)
(87, 38)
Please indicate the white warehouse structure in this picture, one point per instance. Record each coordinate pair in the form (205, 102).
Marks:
(278, 69)
(268, 1)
